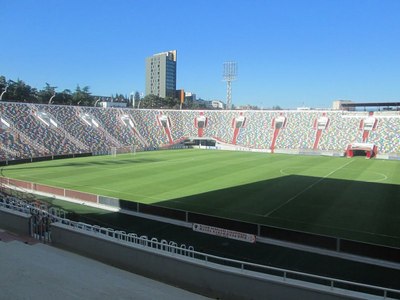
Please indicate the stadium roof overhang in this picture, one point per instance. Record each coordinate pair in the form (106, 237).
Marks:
(371, 104)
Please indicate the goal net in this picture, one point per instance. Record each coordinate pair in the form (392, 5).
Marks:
(114, 151)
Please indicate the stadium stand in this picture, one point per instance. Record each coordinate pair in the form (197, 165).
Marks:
(70, 118)
(298, 132)
(111, 123)
(183, 123)
(340, 133)
(97, 130)
(148, 127)
(219, 125)
(258, 130)
(386, 135)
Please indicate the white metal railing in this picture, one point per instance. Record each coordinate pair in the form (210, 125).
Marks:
(10, 203)
(41, 215)
(285, 275)
(132, 238)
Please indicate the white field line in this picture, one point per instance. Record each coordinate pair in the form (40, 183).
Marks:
(342, 228)
(307, 188)
(110, 190)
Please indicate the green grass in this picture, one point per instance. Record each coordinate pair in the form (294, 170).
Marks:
(351, 198)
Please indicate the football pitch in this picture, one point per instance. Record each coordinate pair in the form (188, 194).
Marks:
(350, 198)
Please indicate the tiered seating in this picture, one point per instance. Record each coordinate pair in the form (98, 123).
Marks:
(183, 123)
(257, 131)
(16, 147)
(149, 128)
(29, 137)
(71, 121)
(110, 121)
(10, 138)
(220, 125)
(340, 133)
(299, 132)
(387, 135)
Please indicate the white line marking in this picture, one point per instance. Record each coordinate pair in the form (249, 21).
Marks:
(381, 176)
(73, 186)
(307, 188)
(340, 228)
(384, 177)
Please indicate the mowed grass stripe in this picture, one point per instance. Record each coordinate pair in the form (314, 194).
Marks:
(326, 195)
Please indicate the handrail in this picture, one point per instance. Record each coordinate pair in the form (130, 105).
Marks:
(241, 265)
(285, 272)
(173, 248)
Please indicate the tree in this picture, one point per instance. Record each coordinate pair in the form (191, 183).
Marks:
(46, 93)
(170, 102)
(3, 82)
(66, 96)
(19, 91)
(151, 101)
(82, 97)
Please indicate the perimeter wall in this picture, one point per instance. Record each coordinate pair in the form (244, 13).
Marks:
(202, 277)
(185, 217)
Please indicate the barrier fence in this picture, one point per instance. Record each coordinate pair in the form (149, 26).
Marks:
(304, 238)
(43, 216)
(58, 216)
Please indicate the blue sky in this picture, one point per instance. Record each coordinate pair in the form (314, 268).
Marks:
(289, 53)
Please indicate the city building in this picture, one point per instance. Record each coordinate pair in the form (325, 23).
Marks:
(216, 104)
(366, 106)
(161, 74)
(338, 104)
(107, 104)
(190, 97)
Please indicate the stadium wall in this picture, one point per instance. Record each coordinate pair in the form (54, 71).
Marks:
(186, 218)
(15, 221)
(202, 277)
(42, 158)
(206, 278)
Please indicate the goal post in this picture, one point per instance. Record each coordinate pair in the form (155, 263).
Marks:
(114, 151)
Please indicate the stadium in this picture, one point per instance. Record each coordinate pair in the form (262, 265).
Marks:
(283, 204)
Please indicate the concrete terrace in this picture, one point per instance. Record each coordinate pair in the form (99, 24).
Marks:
(32, 270)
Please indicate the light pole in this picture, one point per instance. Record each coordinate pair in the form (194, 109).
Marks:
(52, 97)
(97, 102)
(5, 91)
(230, 72)
(132, 100)
(140, 100)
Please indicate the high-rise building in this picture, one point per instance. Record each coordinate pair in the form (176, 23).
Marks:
(161, 74)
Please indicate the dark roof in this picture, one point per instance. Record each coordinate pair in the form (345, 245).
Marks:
(366, 104)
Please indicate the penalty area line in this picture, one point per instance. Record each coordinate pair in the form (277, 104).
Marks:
(306, 189)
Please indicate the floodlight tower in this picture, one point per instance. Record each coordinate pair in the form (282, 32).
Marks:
(230, 72)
